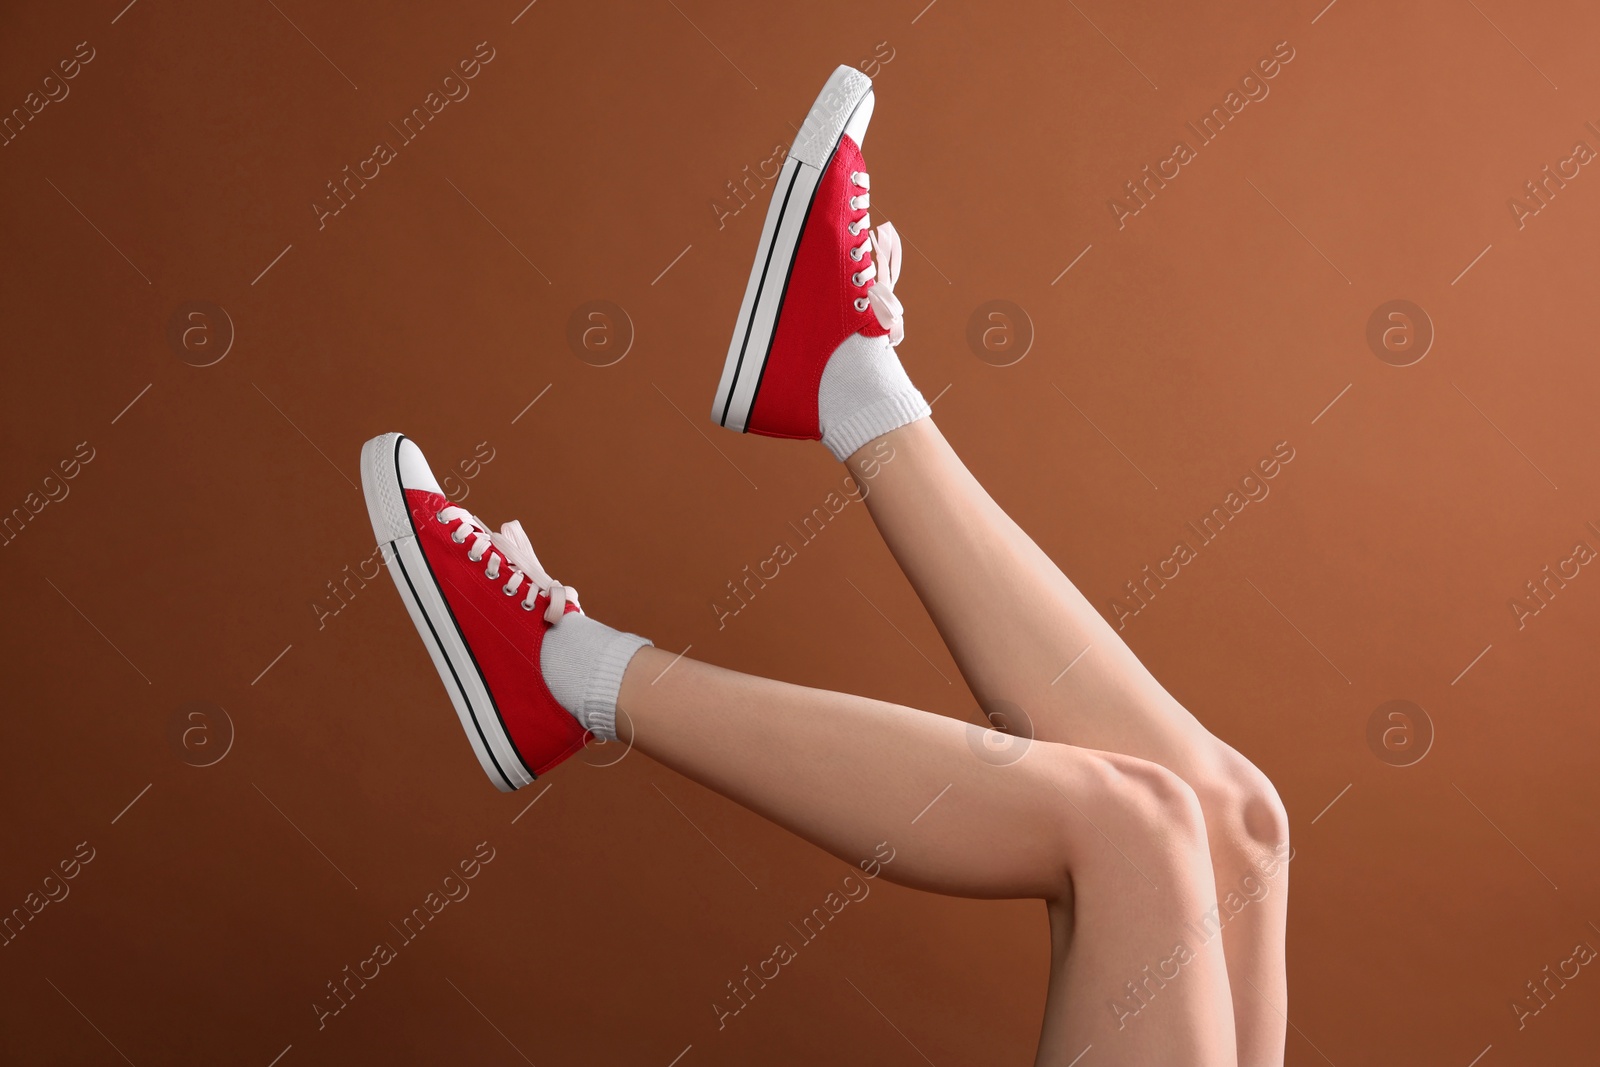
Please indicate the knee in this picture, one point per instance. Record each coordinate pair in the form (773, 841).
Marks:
(1148, 813)
(1242, 808)
(1159, 802)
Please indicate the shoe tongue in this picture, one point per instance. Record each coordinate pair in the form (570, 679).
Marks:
(471, 520)
(513, 544)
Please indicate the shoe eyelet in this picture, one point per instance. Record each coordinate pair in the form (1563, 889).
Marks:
(527, 606)
(458, 540)
(855, 279)
(855, 231)
(855, 254)
(439, 515)
(861, 303)
(508, 590)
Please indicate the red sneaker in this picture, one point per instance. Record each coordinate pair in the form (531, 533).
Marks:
(482, 603)
(813, 284)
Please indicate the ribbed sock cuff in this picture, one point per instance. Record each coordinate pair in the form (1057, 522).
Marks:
(876, 419)
(598, 709)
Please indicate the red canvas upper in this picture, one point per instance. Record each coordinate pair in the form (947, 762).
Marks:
(819, 307)
(504, 639)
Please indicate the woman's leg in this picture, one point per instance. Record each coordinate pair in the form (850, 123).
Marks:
(1014, 624)
(1115, 845)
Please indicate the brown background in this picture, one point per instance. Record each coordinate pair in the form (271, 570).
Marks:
(1223, 319)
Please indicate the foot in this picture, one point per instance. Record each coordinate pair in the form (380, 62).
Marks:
(820, 295)
(487, 611)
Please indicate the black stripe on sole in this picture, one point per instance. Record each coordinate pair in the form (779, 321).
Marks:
(445, 655)
(471, 709)
(755, 305)
(783, 296)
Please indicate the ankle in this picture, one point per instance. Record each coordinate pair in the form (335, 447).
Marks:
(864, 394)
(583, 663)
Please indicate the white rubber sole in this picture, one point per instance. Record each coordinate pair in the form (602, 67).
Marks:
(844, 105)
(419, 590)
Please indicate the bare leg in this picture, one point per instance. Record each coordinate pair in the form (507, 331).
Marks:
(1114, 845)
(1014, 623)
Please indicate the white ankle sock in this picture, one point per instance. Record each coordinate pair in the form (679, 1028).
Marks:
(864, 394)
(583, 662)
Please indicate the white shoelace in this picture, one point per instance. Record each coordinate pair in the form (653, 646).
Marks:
(885, 246)
(511, 544)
